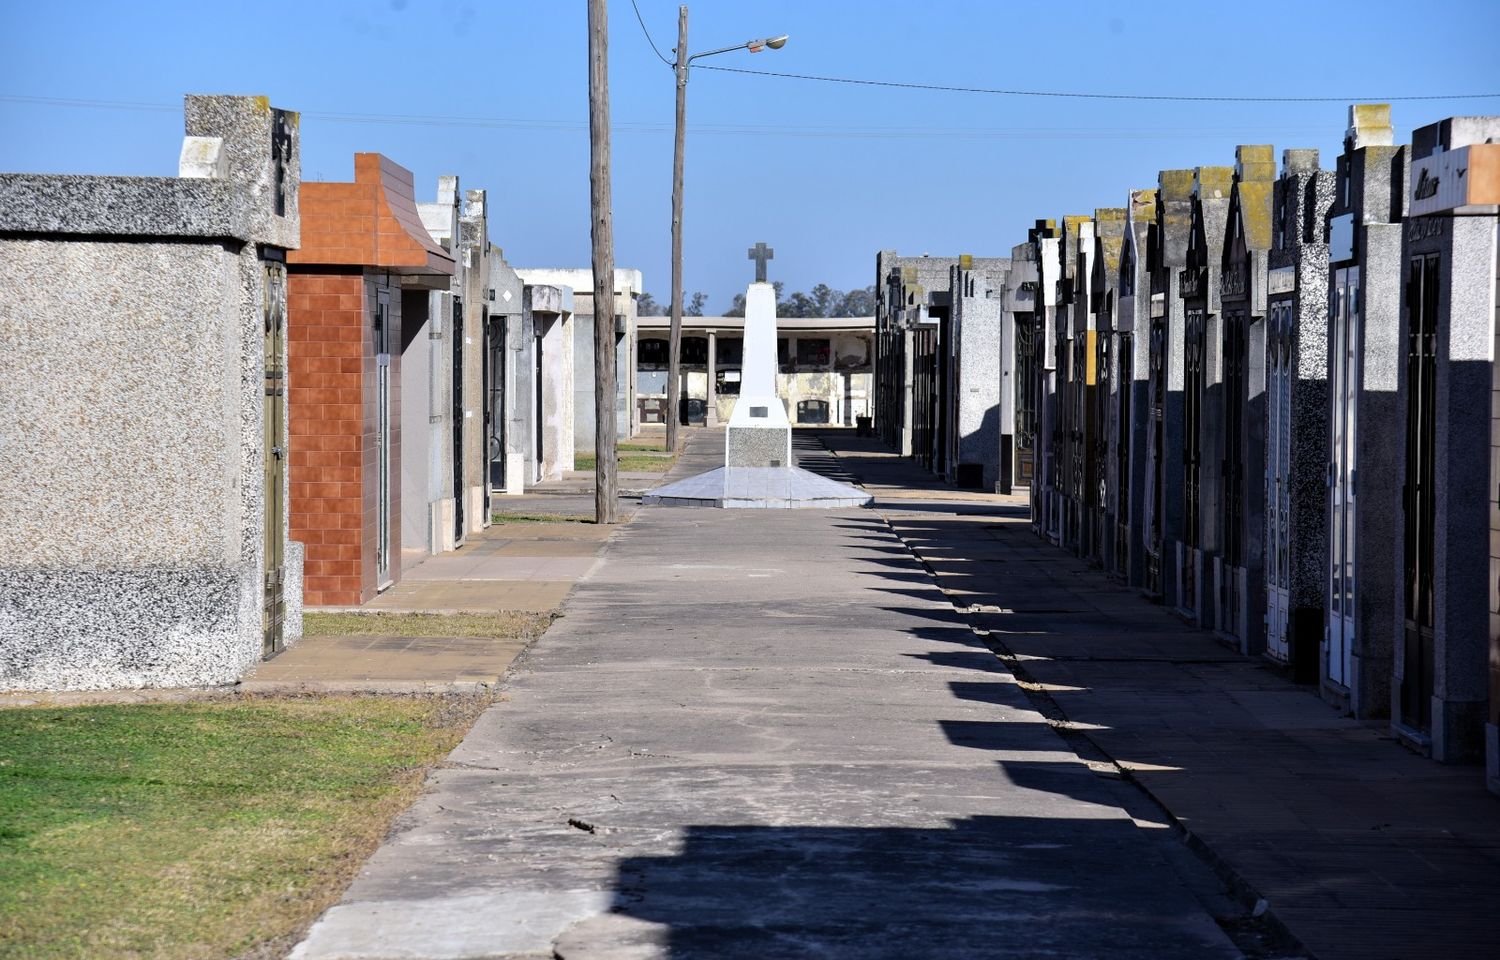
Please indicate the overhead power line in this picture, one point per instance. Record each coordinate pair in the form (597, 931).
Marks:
(642, 21)
(1074, 95)
(820, 132)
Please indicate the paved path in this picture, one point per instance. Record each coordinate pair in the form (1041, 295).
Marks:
(766, 734)
(523, 568)
(1362, 849)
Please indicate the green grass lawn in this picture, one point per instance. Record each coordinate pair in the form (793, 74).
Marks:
(506, 624)
(200, 830)
(501, 517)
(641, 446)
(658, 462)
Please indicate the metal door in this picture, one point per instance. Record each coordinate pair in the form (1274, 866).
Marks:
(1028, 398)
(1124, 384)
(1278, 479)
(273, 312)
(1342, 581)
(1079, 499)
(459, 336)
(495, 415)
(382, 347)
(1232, 480)
(539, 447)
(1418, 495)
(1155, 455)
(1192, 448)
(1099, 465)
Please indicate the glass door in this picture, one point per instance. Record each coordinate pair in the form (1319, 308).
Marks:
(1345, 386)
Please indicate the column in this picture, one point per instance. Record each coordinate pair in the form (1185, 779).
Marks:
(711, 415)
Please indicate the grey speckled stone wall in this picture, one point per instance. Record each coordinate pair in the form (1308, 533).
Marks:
(131, 362)
(1301, 202)
(757, 447)
(977, 306)
(1468, 258)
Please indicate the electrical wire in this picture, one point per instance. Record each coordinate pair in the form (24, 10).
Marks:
(641, 20)
(1091, 96)
(820, 132)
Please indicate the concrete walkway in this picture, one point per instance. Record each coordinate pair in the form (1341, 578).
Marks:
(518, 567)
(766, 734)
(1363, 850)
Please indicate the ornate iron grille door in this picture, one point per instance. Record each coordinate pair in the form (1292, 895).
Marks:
(1420, 511)
(273, 610)
(1028, 398)
(1192, 446)
(1155, 454)
(1232, 481)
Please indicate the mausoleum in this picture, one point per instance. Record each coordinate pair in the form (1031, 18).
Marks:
(364, 245)
(142, 536)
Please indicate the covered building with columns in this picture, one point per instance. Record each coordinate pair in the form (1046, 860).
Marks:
(824, 368)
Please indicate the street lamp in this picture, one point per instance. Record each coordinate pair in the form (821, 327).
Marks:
(674, 375)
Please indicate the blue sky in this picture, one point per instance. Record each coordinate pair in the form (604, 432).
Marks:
(827, 174)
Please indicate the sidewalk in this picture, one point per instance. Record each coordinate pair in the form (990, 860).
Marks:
(542, 545)
(510, 577)
(1362, 849)
(765, 734)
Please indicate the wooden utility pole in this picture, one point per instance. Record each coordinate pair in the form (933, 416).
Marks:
(604, 265)
(674, 357)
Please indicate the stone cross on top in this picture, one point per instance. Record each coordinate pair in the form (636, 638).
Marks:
(760, 253)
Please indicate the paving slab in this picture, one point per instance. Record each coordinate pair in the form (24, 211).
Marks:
(738, 742)
(388, 664)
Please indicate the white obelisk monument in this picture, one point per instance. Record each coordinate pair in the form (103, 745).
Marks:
(759, 433)
(758, 470)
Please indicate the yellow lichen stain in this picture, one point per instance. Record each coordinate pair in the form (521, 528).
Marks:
(262, 104)
(1363, 116)
(1210, 183)
(1255, 213)
(1175, 184)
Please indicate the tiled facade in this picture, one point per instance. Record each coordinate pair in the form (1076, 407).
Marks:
(334, 447)
(364, 245)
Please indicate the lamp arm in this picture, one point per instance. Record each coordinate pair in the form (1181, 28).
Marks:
(710, 53)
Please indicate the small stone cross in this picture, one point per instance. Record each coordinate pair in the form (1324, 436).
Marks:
(760, 253)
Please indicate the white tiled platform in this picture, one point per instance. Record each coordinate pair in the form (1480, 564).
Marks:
(757, 487)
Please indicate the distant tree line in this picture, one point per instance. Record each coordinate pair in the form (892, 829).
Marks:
(646, 306)
(823, 301)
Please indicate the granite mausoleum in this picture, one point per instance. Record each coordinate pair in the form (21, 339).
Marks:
(1449, 264)
(1259, 396)
(143, 319)
(1297, 404)
(936, 400)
